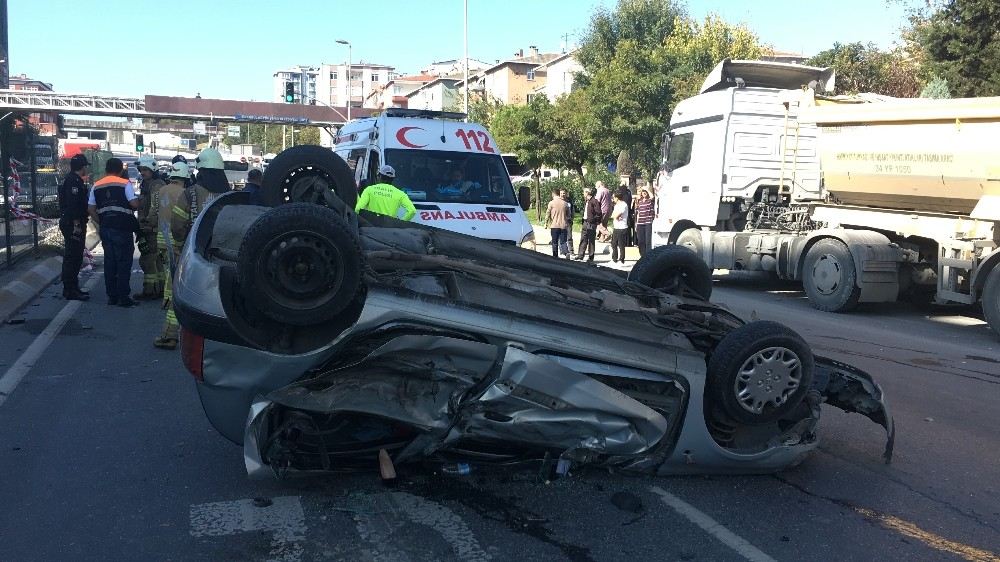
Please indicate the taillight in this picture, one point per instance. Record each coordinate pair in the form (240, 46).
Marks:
(193, 353)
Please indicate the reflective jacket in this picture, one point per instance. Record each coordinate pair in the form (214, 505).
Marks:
(174, 210)
(112, 202)
(385, 199)
(149, 191)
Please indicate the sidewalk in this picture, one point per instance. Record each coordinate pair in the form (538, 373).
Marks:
(29, 276)
(602, 250)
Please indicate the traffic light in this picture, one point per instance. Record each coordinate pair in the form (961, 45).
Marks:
(139, 145)
(289, 92)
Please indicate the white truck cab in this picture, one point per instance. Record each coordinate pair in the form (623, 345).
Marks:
(452, 170)
(737, 143)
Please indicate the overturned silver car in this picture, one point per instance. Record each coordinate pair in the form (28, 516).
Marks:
(319, 338)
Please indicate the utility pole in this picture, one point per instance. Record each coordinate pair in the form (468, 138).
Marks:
(466, 61)
(350, 85)
(282, 138)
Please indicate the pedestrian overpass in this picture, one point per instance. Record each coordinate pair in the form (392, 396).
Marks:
(170, 107)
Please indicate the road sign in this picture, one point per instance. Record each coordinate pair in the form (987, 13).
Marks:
(233, 131)
(199, 128)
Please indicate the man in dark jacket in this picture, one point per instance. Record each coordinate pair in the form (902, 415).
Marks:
(73, 225)
(253, 186)
(592, 217)
(111, 204)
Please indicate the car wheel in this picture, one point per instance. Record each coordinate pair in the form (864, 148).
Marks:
(829, 277)
(991, 300)
(309, 174)
(675, 270)
(300, 264)
(691, 239)
(759, 372)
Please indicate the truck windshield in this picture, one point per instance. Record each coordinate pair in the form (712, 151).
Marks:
(678, 151)
(451, 177)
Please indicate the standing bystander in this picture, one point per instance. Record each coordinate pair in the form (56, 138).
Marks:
(591, 220)
(555, 220)
(253, 186)
(567, 248)
(644, 221)
(619, 224)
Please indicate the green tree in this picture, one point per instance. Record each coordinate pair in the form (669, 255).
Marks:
(936, 89)
(571, 132)
(645, 22)
(694, 49)
(642, 58)
(866, 68)
(960, 42)
(520, 130)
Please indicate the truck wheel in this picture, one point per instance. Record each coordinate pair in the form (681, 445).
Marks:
(759, 372)
(300, 264)
(991, 300)
(691, 239)
(674, 270)
(829, 277)
(308, 174)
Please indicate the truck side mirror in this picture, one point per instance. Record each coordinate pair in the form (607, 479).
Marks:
(524, 197)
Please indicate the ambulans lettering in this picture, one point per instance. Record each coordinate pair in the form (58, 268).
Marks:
(463, 215)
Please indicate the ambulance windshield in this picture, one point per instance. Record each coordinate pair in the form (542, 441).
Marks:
(451, 177)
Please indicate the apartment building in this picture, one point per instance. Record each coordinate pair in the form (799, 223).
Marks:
(47, 124)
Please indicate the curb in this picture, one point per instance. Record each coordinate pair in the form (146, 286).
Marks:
(16, 294)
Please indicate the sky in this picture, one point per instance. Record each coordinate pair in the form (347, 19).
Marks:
(230, 49)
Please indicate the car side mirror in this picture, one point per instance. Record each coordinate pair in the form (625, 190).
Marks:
(524, 197)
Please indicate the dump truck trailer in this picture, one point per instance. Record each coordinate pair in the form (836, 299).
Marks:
(861, 198)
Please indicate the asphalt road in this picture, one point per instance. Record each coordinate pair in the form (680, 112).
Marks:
(105, 454)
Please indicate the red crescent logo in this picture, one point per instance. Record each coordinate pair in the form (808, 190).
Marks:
(401, 137)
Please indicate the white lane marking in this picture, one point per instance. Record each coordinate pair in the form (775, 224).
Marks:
(712, 527)
(378, 516)
(284, 519)
(27, 360)
(446, 522)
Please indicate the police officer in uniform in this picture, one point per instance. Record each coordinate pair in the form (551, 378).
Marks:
(73, 225)
(384, 198)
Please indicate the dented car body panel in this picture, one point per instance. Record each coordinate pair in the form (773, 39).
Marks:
(465, 349)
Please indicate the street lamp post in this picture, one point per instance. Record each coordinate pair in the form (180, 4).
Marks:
(350, 86)
(466, 65)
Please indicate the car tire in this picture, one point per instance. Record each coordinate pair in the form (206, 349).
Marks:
(759, 372)
(308, 174)
(991, 300)
(675, 270)
(300, 264)
(829, 277)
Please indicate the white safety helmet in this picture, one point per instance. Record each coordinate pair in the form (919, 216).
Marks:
(147, 162)
(387, 171)
(210, 158)
(180, 170)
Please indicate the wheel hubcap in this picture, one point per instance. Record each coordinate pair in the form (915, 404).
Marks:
(301, 270)
(827, 274)
(768, 378)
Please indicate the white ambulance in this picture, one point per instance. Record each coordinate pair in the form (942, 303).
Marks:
(452, 171)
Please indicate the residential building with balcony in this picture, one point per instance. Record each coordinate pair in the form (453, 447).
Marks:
(303, 77)
(337, 84)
